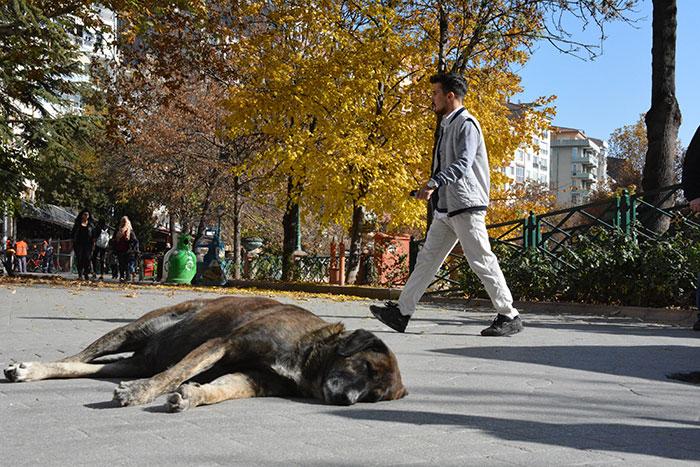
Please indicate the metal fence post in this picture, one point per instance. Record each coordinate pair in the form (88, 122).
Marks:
(531, 232)
(625, 212)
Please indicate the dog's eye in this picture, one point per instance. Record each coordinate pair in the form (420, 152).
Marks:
(373, 396)
(370, 371)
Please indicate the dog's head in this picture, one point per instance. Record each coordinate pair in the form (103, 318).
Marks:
(363, 369)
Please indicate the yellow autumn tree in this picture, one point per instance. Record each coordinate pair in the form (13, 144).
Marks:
(485, 41)
(335, 86)
(341, 89)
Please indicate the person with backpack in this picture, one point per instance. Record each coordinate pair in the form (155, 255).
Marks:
(102, 238)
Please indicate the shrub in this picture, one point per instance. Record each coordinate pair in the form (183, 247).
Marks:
(609, 267)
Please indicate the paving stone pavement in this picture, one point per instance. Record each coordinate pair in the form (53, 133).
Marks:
(569, 390)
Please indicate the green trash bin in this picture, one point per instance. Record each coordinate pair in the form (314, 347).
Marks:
(180, 263)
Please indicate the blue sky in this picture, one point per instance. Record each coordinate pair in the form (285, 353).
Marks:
(614, 89)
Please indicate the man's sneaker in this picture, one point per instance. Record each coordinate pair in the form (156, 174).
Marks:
(390, 315)
(503, 326)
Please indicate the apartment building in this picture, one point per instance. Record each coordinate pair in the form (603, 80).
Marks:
(530, 161)
(578, 165)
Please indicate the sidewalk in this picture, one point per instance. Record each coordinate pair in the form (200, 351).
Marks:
(569, 390)
(680, 317)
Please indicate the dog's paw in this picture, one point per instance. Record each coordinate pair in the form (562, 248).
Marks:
(135, 392)
(182, 399)
(21, 372)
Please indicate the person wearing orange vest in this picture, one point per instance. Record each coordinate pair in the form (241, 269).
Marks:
(21, 255)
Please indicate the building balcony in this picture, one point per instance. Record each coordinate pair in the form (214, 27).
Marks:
(584, 176)
(586, 159)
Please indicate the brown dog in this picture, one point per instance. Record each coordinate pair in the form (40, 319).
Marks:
(236, 348)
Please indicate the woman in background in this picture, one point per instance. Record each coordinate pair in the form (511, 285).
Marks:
(123, 241)
(82, 243)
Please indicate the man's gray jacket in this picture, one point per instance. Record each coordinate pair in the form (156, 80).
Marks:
(461, 166)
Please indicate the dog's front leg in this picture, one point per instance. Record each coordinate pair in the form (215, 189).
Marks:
(146, 390)
(232, 386)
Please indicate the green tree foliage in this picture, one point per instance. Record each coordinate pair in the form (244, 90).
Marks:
(37, 59)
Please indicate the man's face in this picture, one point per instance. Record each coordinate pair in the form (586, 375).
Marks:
(440, 99)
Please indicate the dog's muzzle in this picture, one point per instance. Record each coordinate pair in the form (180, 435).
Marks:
(337, 391)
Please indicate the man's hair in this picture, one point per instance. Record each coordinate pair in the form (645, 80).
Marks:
(451, 82)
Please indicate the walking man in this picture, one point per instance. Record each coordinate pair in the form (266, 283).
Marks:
(459, 192)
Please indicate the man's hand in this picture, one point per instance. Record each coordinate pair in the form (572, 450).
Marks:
(425, 192)
(694, 204)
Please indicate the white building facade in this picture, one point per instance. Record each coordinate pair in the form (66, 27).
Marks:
(531, 161)
(578, 165)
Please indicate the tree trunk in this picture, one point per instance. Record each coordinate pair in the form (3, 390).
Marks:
(290, 226)
(664, 117)
(236, 231)
(444, 35)
(353, 266)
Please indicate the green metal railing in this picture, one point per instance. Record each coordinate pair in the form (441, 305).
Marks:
(550, 233)
(553, 232)
(311, 268)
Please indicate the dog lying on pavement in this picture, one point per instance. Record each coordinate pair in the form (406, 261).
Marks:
(208, 351)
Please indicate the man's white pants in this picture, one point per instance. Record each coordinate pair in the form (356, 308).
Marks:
(470, 229)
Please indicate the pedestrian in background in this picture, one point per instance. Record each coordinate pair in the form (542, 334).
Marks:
(113, 261)
(47, 253)
(9, 260)
(102, 239)
(21, 255)
(82, 236)
(123, 240)
(691, 189)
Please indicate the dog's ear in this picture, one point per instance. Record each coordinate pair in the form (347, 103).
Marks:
(358, 341)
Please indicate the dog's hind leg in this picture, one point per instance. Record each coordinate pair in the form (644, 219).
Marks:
(133, 336)
(35, 371)
(199, 360)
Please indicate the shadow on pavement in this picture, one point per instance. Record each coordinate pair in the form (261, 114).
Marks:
(635, 361)
(610, 325)
(650, 440)
(104, 405)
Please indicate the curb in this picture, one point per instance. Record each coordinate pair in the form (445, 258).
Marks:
(669, 316)
(678, 317)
